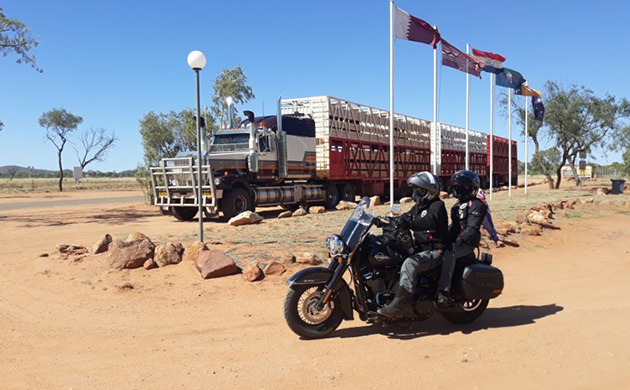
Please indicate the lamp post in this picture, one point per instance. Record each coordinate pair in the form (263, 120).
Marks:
(229, 101)
(196, 60)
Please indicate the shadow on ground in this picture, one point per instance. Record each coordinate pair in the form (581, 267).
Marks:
(500, 317)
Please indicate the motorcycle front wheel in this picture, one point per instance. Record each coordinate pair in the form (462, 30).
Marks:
(302, 316)
(465, 312)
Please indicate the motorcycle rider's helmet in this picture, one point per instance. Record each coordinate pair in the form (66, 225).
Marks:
(425, 186)
(465, 184)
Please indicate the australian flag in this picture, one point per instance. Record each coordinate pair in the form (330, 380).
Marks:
(539, 108)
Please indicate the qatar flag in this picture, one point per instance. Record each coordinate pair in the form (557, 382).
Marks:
(414, 29)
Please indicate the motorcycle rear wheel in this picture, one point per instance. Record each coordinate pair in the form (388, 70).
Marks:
(465, 312)
(302, 316)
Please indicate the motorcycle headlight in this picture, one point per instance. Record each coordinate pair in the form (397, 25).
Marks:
(335, 245)
(217, 181)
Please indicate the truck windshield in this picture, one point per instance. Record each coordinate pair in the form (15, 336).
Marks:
(229, 143)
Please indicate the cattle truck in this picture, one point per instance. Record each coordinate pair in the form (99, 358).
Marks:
(317, 150)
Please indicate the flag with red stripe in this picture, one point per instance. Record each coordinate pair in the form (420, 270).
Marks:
(455, 58)
(493, 63)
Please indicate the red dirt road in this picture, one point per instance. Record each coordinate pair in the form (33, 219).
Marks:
(563, 321)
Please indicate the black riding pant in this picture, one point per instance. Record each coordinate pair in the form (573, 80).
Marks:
(448, 264)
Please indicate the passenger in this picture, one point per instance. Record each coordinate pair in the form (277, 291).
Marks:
(467, 216)
(429, 221)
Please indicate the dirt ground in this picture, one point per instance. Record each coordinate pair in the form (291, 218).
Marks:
(563, 321)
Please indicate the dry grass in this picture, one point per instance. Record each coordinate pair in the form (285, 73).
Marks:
(308, 233)
(22, 186)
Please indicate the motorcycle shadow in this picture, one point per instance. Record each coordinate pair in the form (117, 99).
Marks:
(494, 317)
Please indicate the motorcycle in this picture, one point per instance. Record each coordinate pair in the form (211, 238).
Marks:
(319, 298)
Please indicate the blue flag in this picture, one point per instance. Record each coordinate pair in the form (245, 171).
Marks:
(539, 108)
(510, 79)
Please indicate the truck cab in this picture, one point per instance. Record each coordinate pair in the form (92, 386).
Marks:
(255, 163)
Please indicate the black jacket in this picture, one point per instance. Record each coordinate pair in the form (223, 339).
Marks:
(466, 220)
(429, 224)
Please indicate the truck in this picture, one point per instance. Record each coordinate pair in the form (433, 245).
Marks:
(318, 150)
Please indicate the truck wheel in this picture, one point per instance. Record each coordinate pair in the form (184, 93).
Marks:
(184, 213)
(235, 202)
(332, 197)
(346, 192)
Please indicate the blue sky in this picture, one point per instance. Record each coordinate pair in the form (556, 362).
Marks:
(112, 62)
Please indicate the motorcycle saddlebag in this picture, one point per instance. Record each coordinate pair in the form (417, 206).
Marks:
(481, 281)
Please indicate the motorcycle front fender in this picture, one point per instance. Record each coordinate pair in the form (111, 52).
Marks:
(319, 276)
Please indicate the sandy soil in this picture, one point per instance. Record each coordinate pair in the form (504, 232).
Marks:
(562, 321)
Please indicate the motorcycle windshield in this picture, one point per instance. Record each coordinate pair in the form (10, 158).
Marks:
(357, 225)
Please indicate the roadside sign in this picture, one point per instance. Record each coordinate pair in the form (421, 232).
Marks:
(77, 173)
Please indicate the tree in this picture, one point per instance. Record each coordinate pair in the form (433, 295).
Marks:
(230, 82)
(165, 135)
(626, 162)
(95, 144)
(576, 121)
(16, 38)
(59, 123)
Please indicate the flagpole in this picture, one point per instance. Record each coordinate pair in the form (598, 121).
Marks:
(510, 142)
(436, 139)
(467, 108)
(526, 139)
(491, 134)
(391, 103)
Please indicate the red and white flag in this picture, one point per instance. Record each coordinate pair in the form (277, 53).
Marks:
(493, 62)
(413, 29)
(455, 58)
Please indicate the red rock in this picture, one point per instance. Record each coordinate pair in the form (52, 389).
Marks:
(275, 268)
(299, 212)
(317, 210)
(130, 254)
(192, 251)
(531, 230)
(149, 264)
(168, 253)
(252, 273)
(214, 264)
(137, 236)
(285, 214)
(102, 245)
(309, 258)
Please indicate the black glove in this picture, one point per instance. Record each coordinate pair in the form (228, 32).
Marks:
(380, 222)
(401, 223)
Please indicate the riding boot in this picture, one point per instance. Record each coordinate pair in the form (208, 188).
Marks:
(443, 298)
(398, 304)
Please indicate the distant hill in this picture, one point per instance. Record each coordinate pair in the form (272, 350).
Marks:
(10, 169)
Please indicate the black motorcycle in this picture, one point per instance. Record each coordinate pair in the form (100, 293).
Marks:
(319, 298)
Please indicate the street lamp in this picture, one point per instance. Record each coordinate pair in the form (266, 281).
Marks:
(229, 101)
(196, 60)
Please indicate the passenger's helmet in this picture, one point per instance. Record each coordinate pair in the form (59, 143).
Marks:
(464, 184)
(425, 186)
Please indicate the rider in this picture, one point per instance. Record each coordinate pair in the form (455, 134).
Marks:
(467, 215)
(429, 221)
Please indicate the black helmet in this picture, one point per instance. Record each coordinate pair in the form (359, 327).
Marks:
(464, 184)
(425, 186)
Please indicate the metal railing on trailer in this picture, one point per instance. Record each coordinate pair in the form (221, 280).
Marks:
(175, 184)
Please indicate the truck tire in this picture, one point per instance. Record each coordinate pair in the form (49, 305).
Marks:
(184, 213)
(236, 201)
(332, 196)
(346, 192)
